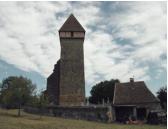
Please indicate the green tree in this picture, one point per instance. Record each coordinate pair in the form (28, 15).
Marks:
(103, 91)
(162, 95)
(16, 92)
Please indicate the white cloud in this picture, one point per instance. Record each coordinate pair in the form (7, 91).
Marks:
(27, 40)
(145, 26)
(29, 37)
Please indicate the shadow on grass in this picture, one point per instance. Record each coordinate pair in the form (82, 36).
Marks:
(6, 114)
(11, 115)
(38, 119)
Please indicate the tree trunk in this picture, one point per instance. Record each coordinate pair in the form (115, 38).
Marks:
(19, 113)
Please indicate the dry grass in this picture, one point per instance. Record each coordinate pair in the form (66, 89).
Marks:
(9, 120)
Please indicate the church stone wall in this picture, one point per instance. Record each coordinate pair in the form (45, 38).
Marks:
(67, 84)
(53, 85)
(81, 113)
(72, 85)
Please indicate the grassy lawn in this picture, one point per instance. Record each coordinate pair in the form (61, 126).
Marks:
(9, 120)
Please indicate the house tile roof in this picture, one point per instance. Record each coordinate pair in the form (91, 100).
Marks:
(72, 24)
(133, 93)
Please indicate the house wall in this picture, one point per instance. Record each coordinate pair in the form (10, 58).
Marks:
(133, 110)
(152, 106)
(123, 112)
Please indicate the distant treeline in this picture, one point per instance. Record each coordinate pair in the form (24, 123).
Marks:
(17, 92)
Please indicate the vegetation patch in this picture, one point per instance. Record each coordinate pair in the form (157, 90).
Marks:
(8, 120)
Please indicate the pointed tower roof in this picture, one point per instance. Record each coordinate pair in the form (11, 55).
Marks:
(72, 24)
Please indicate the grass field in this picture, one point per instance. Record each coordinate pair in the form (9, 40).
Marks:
(9, 120)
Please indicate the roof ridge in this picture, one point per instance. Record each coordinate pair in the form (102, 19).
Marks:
(129, 82)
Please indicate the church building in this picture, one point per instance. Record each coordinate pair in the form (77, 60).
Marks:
(66, 85)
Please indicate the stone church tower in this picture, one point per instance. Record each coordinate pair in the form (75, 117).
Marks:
(66, 85)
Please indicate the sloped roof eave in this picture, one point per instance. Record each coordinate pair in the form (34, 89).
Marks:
(133, 93)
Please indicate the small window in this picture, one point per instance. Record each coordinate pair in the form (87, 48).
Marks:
(79, 34)
(65, 34)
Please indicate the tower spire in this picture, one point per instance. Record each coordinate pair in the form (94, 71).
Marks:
(72, 24)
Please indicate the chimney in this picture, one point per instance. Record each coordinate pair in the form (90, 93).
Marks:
(132, 80)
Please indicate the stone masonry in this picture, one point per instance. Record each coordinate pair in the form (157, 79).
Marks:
(66, 85)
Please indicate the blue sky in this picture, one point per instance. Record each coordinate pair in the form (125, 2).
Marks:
(123, 39)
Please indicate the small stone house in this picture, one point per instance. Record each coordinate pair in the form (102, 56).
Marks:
(133, 99)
